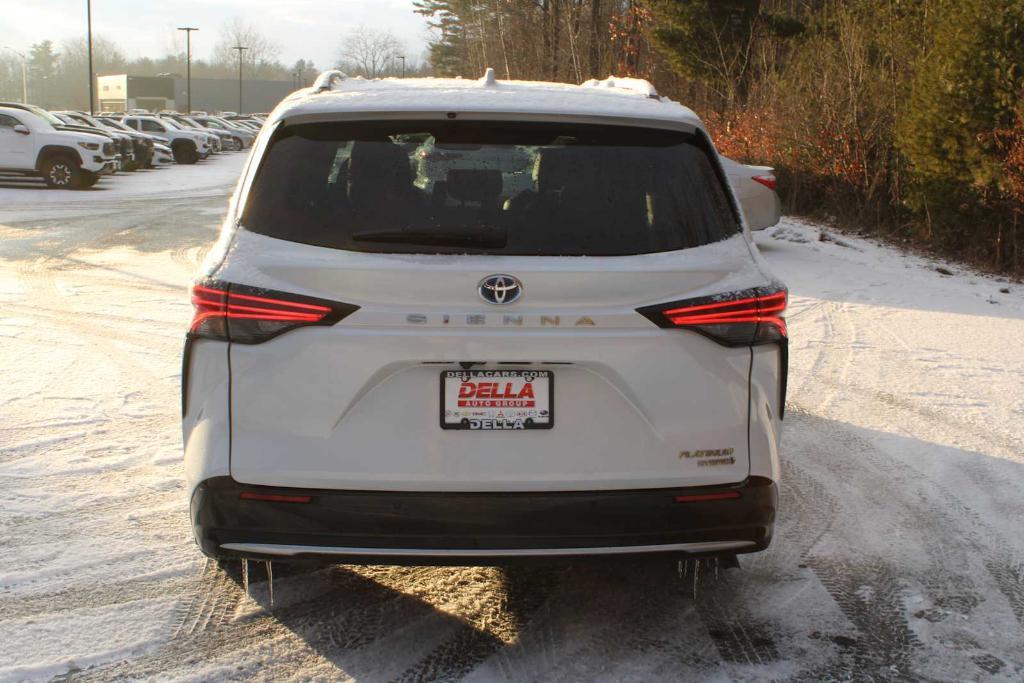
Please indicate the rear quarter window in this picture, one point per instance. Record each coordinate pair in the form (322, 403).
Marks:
(489, 188)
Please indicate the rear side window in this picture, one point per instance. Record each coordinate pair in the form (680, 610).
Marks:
(473, 187)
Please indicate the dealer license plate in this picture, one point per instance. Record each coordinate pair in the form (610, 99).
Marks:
(488, 400)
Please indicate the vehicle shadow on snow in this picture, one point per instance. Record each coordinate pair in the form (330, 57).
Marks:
(23, 184)
(441, 623)
(879, 569)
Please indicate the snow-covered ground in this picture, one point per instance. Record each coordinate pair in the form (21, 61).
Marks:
(28, 199)
(898, 552)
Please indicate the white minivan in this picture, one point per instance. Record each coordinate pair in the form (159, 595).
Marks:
(594, 364)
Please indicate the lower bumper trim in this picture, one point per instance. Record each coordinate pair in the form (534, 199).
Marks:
(280, 550)
(232, 519)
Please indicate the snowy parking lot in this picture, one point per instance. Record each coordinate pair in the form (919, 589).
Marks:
(899, 552)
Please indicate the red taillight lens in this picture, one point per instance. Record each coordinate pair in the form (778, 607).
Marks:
(249, 315)
(706, 497)
(766, 180)
(753, 316)
(274, 497)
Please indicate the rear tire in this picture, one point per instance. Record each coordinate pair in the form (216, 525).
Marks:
(62, 173)
(236, 144)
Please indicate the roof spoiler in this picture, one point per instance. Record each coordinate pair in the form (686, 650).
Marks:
(328, 79)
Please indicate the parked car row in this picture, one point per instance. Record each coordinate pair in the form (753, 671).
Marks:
(73, 150)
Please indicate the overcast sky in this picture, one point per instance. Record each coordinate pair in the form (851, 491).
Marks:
(308, 29)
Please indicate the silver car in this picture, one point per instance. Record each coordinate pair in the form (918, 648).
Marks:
(755, 190)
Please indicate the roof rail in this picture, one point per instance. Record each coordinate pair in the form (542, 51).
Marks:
(637, 85)
(328, 79)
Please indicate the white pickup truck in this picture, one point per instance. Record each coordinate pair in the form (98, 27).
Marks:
(66, 159)
(188, 146)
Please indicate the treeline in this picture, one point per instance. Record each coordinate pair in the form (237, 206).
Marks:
(57, 74)
(899, 117)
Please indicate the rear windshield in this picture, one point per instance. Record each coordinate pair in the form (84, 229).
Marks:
(473, 187)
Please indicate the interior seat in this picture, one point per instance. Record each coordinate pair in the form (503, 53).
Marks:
(380, 189)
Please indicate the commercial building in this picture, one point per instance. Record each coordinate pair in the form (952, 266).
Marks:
(123, 92)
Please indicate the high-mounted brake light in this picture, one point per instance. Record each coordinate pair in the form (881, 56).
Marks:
(752, 316)
(248, 315)
(766, 180)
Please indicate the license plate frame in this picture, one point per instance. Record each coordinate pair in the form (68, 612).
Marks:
(482, 423)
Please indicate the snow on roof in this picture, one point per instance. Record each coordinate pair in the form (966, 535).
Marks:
(334, 92)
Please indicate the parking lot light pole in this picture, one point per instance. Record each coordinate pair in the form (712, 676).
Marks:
(188, 65)
(24, 73)
(402, 57)
(92, 76)
(240, 49)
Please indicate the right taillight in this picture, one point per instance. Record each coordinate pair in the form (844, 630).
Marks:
(250, 315)
(766, 180)
(752, 316)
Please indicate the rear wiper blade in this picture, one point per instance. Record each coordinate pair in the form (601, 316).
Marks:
(431, 237)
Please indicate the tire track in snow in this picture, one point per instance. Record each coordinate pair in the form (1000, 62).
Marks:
(325, 617)
(1001, 563)
(492, 625)
(866, 590)
(831, 365)
(217, 619)
(841, 332)
(1009, 575)
(189, 257)
(90, 596)
(870, 595)
(944, 528)
(43, 294)
(214, 599)
(738, 636)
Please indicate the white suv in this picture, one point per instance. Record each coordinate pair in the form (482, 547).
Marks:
(595, 365)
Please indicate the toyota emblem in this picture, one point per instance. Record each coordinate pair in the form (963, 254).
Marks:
(500, 289)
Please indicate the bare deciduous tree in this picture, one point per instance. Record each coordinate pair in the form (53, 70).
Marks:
(261, 55)
(370, 53)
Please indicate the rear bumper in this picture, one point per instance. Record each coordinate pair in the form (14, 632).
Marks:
(480, 528)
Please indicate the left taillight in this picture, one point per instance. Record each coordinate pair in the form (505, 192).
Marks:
(752, 316)
(767, 180)
(250, 315)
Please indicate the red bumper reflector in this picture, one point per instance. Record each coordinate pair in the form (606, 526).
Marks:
(274, 497)
(701, 497)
